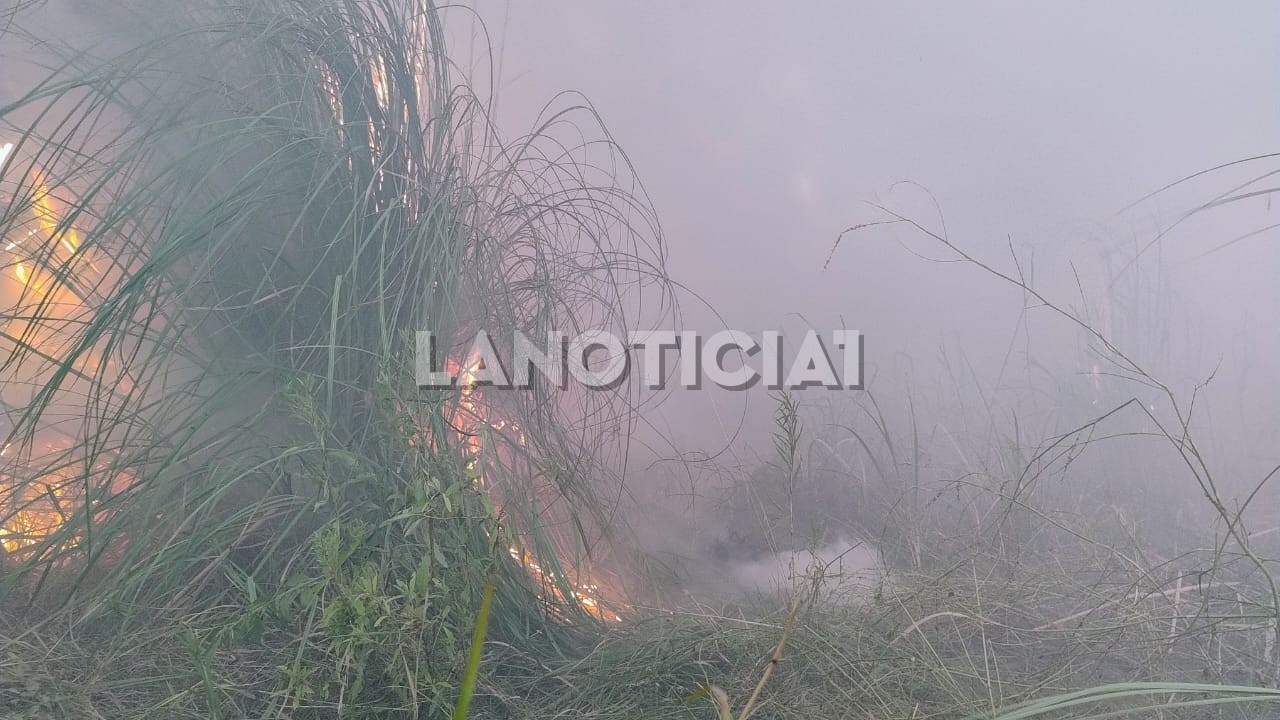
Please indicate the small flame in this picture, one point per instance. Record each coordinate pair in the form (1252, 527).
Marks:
(42, 486)
(472, 425)
(34, 508)
(39, 516)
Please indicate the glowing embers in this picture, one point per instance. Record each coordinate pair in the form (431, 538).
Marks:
(33, 508)
(40, 494)
(585, 595)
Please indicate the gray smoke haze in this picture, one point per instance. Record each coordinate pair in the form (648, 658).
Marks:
(762, 130)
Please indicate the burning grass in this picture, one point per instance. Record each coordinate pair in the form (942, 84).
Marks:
(220, 241)
(224, 497)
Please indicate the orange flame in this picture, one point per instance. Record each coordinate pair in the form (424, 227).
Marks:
(472, 423)
(32, 509)
(35, 503)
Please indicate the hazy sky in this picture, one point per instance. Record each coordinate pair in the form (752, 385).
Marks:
(760, 129)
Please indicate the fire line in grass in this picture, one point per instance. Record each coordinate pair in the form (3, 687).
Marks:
(473, 423)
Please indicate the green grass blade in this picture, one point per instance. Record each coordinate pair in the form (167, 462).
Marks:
(473, 659)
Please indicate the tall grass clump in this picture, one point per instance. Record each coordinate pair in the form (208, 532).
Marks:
(226, 221)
